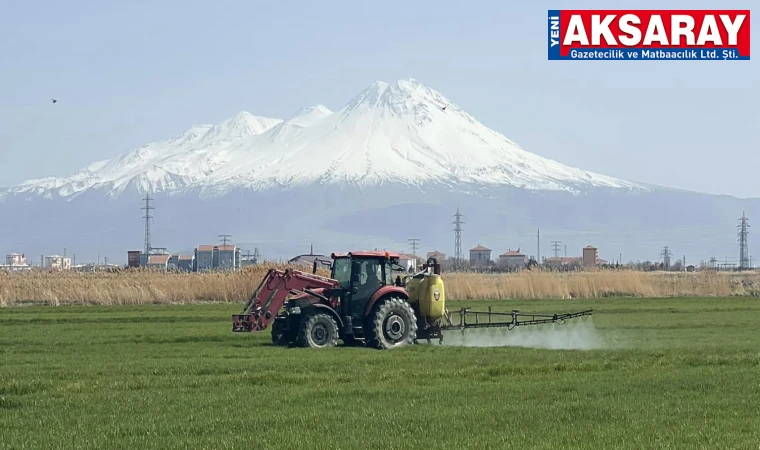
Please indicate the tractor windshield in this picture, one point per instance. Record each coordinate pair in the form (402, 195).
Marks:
(342, 272)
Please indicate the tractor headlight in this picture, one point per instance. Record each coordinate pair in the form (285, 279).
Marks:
(294, 310)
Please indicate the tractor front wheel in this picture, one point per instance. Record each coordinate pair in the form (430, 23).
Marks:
(391, 324)
(318, 330)
(280, 336)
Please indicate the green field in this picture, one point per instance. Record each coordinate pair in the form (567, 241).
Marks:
(676, 373)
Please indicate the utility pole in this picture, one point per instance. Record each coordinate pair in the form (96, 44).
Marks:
(147, 208)
(743, 247)
(538, 246)
(224, 238)
(42, 260)
(666, 254)
(458, 240)
(74, 259)
(555, 247)
(565, 250)
(414, 242)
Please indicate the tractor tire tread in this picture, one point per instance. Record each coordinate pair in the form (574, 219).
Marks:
(375, 337)
(304, 331)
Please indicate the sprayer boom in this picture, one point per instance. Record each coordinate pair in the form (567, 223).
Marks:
(490, 319)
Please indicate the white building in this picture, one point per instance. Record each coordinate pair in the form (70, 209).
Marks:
(56, 262)
(16, 259)
(409, 262)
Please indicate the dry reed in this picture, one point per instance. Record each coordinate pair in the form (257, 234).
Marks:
(144, 287)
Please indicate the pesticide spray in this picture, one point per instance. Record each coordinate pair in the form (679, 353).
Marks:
(576, 335)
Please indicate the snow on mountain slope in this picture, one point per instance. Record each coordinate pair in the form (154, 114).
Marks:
(401, 132)
(171, 164)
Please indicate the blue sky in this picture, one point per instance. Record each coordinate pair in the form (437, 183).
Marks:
(130, 73)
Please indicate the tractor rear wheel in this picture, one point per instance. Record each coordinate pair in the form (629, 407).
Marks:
(318, 330)
(391, 324)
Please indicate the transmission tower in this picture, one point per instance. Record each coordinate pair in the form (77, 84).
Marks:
(224, 238)
(555, 247)
(458, 239)
(666, 254)
(147, 208)
(414, 242)
(743, 248)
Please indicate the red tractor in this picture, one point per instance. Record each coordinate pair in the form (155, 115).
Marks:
(362, 302)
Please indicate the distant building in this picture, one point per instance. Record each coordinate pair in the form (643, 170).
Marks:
(160, 262)
(56, 262)
(227, 257)
(480, 257)
(16, 259)
(214, 257)
(307, 260)
(185, 263)
(590, 256)
(440, 257)
(512, 259)
(564, 262)
(204, 258)
(15, 262)
(408, 262)
(133, 258)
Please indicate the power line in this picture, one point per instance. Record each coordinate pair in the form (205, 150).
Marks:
(458, 239)
(666, 254)
(147, 208)
(743, 247)
(414, 242)
(555, 247)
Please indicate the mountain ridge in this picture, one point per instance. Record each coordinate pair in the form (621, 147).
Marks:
(400, 132)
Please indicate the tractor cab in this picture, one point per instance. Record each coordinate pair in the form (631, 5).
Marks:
(362, 275)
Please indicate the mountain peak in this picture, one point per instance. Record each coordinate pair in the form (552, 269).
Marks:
(309, 115)
(401, 132)
(241, 125)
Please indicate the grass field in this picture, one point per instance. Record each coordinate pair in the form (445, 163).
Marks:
(675, 373)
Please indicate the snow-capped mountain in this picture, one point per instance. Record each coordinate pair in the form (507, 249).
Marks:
(395, 162)
(401, 132)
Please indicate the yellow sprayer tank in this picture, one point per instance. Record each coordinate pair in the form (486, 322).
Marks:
(428, 292)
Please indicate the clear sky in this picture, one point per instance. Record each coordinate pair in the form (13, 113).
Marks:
(128, 73)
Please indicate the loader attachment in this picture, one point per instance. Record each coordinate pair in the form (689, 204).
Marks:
(509, 320)
(271, 294)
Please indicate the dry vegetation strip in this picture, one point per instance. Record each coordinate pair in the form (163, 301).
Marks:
(143, 287)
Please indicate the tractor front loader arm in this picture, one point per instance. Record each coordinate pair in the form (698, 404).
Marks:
(269, 297)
